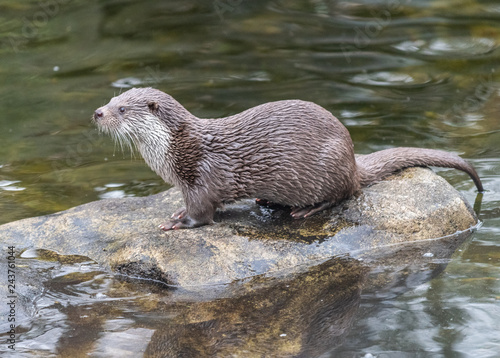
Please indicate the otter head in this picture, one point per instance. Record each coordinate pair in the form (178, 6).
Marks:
(145, 117)
(131, 114)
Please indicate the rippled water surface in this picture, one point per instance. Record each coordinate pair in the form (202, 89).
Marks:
(396, 73)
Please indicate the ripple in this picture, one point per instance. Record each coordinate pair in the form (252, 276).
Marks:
(7, 185)
(127, 82)
(114, 194)
(353, 62)
(392, 79)
(457, 46)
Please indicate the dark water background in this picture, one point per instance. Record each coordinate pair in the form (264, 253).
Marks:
(396, 73)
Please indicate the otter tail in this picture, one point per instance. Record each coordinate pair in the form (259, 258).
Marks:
(378, 165)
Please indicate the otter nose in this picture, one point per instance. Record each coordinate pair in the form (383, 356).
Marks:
(98, 114)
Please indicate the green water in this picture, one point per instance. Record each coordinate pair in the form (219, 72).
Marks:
(396, 73)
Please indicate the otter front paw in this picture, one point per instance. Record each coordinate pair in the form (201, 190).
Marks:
(179, 214)
(175, 224)
(183, 221)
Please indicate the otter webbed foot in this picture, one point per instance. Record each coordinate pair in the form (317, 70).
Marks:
(176, 224)
(298, 213)
(181, 220)
(184, 223)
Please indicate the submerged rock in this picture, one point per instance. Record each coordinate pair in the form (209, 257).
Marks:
(247, 240)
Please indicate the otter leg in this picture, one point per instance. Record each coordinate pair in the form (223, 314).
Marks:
(306, 211)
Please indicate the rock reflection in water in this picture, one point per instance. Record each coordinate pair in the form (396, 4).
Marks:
(290, 317)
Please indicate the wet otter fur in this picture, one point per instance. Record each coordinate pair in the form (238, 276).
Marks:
(292, 152)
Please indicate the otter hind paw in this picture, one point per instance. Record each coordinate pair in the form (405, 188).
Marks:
(304, 212)
(262, 202)
(268, 204)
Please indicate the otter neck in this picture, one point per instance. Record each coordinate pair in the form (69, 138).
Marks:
(173, 151)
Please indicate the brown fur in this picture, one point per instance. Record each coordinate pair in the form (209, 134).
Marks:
(292, 153)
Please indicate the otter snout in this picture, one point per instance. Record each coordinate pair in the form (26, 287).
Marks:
(105, 120)
(99, 113)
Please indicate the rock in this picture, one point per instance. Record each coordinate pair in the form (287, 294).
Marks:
(247, 240)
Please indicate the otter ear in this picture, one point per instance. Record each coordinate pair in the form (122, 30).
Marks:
(153, 107)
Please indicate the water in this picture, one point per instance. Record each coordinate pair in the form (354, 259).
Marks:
(396, 73)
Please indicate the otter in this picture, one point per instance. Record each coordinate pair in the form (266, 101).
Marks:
(291, 152)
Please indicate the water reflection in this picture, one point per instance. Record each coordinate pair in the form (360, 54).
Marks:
(8, 185)
(456, 47)
(81, 310)
(303, 316)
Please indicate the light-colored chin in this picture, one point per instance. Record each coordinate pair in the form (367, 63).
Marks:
(116, 132)
(108, 125)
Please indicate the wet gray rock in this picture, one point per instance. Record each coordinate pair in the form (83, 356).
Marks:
(247, 240)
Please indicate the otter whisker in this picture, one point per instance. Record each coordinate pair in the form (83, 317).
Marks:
(117, 141)
(125, 141)
(128, 137)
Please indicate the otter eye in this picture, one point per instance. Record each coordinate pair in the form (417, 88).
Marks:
(121, 109)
